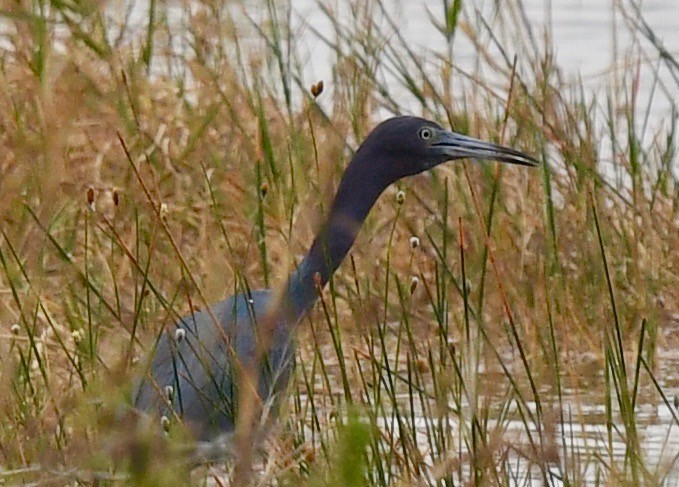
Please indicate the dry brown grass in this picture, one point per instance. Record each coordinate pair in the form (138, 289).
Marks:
(84, 318)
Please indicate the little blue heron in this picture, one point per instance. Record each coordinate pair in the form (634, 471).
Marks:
(193, 372)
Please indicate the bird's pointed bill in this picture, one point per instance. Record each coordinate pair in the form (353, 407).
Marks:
(459, 146)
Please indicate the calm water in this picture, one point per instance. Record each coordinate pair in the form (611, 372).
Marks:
(586, 35)
(582, 439)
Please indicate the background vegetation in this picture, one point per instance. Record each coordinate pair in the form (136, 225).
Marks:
(468, 355)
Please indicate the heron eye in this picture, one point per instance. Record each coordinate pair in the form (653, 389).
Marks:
(426, 134)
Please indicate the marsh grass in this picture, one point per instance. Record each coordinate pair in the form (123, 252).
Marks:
(468, 357)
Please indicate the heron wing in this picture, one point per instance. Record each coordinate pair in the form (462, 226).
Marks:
(196, 368)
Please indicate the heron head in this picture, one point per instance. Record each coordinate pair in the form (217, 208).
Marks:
(411, 145)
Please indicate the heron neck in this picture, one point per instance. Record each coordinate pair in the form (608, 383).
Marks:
(360, 187)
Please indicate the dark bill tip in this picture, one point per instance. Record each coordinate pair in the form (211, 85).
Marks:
(458, 146)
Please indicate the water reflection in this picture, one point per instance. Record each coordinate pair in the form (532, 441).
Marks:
(574, 439)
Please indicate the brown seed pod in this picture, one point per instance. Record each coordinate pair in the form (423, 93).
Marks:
(317, 89)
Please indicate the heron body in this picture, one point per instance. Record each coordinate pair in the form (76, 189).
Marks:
(193, 371)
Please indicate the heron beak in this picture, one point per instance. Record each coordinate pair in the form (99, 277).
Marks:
(458, 146)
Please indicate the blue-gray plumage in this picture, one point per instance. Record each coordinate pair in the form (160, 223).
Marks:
(193, 372)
